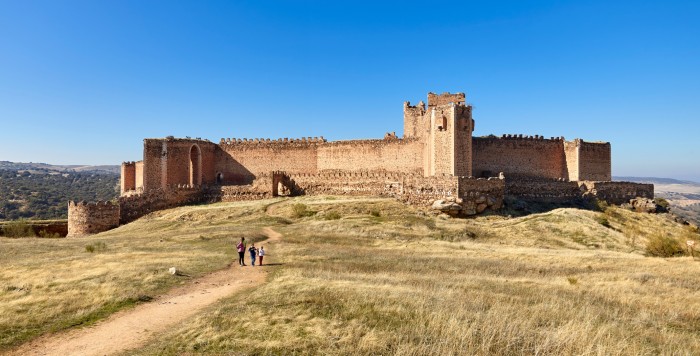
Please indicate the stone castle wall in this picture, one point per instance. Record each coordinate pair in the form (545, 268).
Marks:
(137, 205)
(168, 162)
(240, 161)
(594, 161)
(91, 218)
(560, 191)
(391, 154)
(618, 192)
(518, 156)
(435, 160)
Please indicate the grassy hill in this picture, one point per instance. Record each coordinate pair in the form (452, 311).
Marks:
(373, 276)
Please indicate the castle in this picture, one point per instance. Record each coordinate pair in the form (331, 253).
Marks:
(436, 160)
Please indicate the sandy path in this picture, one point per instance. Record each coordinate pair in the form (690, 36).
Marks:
(132, 328)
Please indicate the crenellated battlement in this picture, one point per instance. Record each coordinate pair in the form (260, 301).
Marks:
(446, 98)
(521, 137)
(258, 141)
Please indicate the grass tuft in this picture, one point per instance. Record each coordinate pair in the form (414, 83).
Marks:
(660, 245)
(18, 228)
(300, 210)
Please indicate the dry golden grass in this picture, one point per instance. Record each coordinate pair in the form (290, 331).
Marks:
(372, 276)
(53, 284)
(401, 283)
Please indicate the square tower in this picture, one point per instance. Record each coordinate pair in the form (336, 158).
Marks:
(445, 126)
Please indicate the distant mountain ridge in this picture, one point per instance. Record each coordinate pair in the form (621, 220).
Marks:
(655, 180)
(38, 168)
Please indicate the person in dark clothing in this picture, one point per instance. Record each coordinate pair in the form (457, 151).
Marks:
(253, 252)
(241, 251)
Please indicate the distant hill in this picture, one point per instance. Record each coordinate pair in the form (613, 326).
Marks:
(48, 168)
(655, 180)
(42, 191)
(683, 195)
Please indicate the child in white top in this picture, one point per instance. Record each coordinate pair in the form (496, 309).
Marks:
(261, 254)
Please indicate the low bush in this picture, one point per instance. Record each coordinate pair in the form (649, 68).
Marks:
(603, 220)
(18, 228)
(96, 247)
(301, 210)
(660, 245)
(332, 215)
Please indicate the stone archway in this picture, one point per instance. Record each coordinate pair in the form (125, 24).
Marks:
(195, 166)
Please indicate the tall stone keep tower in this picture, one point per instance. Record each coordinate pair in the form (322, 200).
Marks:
(445, 126)
(450, 135)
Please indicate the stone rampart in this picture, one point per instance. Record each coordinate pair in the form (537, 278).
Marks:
(392, 154)
(480, 194)
(518, 155)
(240, 161)
(91, 218)
(138, 205)
(594, 161)
(618, 192)
(542, 189)
(561, 191)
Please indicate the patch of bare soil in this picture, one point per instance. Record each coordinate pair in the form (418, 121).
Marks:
(133, 328)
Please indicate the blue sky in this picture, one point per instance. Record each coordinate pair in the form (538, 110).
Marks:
(83, 82)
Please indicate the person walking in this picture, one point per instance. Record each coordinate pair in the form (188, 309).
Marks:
(261, 254)
(241, 252)
(253, 252)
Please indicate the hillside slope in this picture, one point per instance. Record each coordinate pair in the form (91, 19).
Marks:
(372, 276)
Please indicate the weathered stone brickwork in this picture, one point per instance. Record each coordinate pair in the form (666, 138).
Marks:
(433, 164)
(618, 192)
(517, 156)
(391, 154)
(135, 206)
(91, 218)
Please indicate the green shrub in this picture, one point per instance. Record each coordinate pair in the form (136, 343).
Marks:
(300, 210)
(603, 220)
(601, 205)
(48, 235)
(332, 215)
(18, 228)
(660, 245)
(97, 247)
(375, 212)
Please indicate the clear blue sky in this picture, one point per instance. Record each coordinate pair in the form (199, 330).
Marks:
(83, 82)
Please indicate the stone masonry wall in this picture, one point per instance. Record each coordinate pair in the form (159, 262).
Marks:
(479, 194)
(618, 192)
(445, 98)
(392, 154)
(139, 175)
(414, 122)
(543, 189)
(128, 177)
(594, 161)
(519, 156)
(571, 152)
(240, 161)
(189, 162)
(557, 190)
(442, 140)
(170, 161)
(135, 206)
(91, 218)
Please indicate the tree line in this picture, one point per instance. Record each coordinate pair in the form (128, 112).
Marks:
(45, 195)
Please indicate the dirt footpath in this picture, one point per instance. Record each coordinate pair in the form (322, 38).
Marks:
(133, 328)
